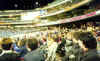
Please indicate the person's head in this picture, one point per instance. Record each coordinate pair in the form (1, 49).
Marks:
(56, 38)
(44, 39)
(22, 42)
(86, 40)
(32, 43)
(69, 35)
(6, 43)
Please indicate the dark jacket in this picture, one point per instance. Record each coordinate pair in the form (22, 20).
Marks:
(91, 55)
(36, 55)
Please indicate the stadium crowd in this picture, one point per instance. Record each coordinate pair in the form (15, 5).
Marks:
(59, 45)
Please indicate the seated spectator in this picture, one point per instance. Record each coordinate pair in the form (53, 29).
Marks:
(6, 53)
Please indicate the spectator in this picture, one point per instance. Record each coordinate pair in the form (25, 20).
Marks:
(20, 47)
(88, 44)
(6, 54)
(35, 54)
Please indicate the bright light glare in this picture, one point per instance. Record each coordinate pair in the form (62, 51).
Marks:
(30, 15)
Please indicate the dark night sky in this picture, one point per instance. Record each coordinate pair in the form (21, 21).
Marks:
(22, 4)
(27, 4)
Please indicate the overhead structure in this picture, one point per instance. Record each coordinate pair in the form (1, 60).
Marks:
(66, 20)
(28, 23)
(55, 8)
(39, 17)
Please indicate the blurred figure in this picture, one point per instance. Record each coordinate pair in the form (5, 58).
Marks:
(20, 47)
(35, 54)
(6, 53)
(88, 44)
(52, 48)
(71, 47)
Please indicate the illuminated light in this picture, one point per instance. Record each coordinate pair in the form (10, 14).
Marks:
(38, 17)
(10, 15)
(14, 19)
(4, 23)
(16, 5)
(37, 3)
(30, 15)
